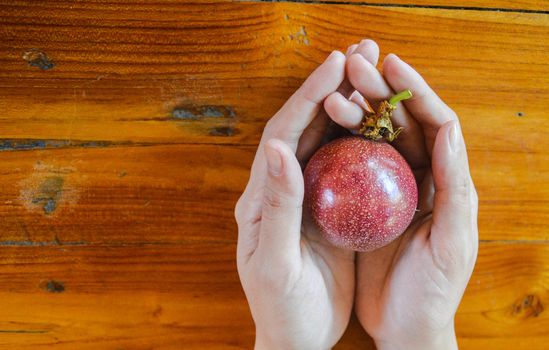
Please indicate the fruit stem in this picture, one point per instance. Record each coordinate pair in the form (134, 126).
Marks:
(401, 96)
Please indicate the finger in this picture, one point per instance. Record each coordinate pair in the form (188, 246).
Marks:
(425, 106)
(370, 83)
(351, 49)
(282, 205)
(367, 48)
(367, 79)
(346, 88)
(313, 134)
(357, 98)
(343, 108)
(311, 137)
(346, 113)
(297, 113)
(426, 196)
(454, 218)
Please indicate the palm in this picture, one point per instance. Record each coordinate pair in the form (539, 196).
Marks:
(383, 305)
(322, 294)
(335, 269)
(320, 298)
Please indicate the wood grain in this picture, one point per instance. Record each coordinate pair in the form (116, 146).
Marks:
(522, 5)
(175, 193)
(122, 194)
(128, 129)
(129, 74)
(190, 295)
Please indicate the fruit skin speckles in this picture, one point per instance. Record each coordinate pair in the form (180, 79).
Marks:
(361, 194)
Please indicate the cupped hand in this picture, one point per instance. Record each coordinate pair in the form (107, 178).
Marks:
(408, 292)
(299, 288)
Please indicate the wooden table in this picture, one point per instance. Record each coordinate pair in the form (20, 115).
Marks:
(127, 131)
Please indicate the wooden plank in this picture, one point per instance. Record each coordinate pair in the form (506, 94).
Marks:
(139, 73)
(116, 195)
(107, 244)
(170, 296)
(505, 303)
(122, 194)
(513, 197)
(496, 5)
(193, 270)
(166, 297)
(492, 5)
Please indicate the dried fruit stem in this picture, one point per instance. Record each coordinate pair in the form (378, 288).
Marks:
(378, 125)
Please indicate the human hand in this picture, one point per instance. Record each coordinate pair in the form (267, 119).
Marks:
(408, 292)
(300, 288)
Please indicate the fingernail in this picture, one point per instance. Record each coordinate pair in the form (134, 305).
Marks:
(274, 160)
(332, 55)
(395, 57)
(454, 138)
(358, 99)
(351, 49)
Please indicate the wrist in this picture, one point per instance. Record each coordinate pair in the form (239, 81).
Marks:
(263, 342)
(443, 340)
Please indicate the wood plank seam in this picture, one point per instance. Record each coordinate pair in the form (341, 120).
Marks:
(191, 242)
(19, 145)
(121, 244)
(514, 241)
(381, 4)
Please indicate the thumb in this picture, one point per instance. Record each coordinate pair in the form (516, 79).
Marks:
(455, 203)
(282, 204)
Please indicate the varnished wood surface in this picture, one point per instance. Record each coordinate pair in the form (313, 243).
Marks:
(121, 160)
(499, 5)
(189, 294)
(129, 74)
(123, 194)
(172, 193)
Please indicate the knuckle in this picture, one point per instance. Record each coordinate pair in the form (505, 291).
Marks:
(467, 255)
(452, 114)
(474, 196)
(462, 191)
(454, 255)
(460, 201)
(272, 198)
(308, 96)
(269, 124)
(279, 204)
(472, 259)
(475, 252)
(238, 209)
(240, 265)
(272, 130)
(463, 181)
(269, 131)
